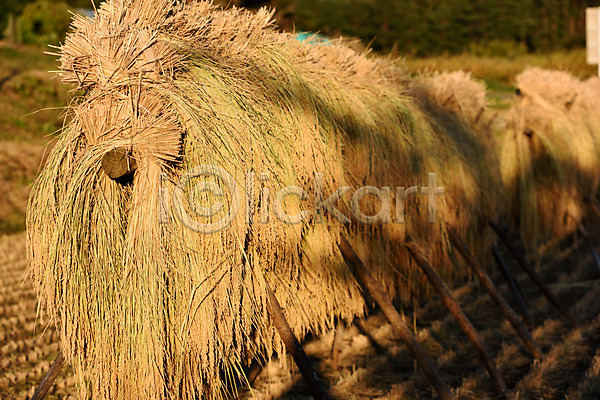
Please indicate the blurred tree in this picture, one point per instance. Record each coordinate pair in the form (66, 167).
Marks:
(13, 31)
(430, 26)
(16, 8)
(418, 26)
(10, 7)
(45, 22)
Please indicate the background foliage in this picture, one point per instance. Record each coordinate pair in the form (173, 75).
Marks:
(44, 22)
(423, 27)
(427, 27)
(39, 21)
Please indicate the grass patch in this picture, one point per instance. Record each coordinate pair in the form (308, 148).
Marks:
(500, 95)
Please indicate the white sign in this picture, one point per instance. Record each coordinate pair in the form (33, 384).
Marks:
(592, 23)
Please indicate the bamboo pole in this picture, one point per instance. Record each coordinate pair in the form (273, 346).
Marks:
(513, 285)
(489, 286)
(458, 314)
(532, 274)
(376, 291)
(315, 385)
(49, 378)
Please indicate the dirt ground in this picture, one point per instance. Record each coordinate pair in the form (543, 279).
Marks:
(27, 344)
(373, 363)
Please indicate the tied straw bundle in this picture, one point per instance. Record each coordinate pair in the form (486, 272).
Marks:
(550, 154)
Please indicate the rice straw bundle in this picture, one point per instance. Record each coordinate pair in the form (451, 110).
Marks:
(454, 91)
(455, 104)
(149, 308)
(550, 153)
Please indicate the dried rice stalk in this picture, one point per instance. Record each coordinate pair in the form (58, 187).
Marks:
(153, 310)
(456, 105)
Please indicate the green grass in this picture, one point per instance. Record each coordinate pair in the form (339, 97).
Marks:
(26, 57)
(503, 70)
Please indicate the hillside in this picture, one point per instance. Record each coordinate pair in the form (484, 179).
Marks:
(30, 108)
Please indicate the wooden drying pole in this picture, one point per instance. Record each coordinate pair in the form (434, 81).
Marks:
(596, 257)
(49, 378)
(295, 348)
(489, 286)
(514, 287)
(251, 372)
(532, 274)
(595, 209)
(376, 291)
(458, 314)
(336, 347)
(118, 164)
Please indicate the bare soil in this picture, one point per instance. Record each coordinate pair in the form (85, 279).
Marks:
(374, 364)
(28, 343)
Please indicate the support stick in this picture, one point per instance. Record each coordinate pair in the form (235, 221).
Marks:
(336, 348)
(596, 257)
(295, 349)
(532, 274)
(595, 209)
(49, 378)
(487, 283)
(458, 314)
(513, 286)
(252, 372)
(369, 283)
